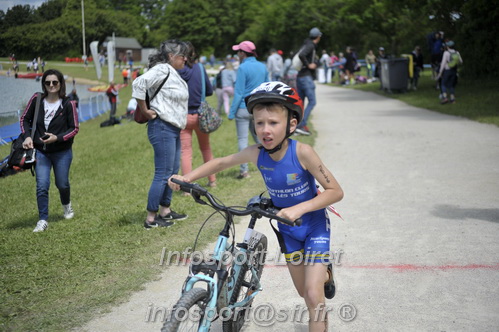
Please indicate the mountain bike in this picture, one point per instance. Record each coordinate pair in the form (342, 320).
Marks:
(225, 284)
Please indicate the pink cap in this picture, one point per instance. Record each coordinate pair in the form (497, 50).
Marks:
(279, 52)
(245, 46)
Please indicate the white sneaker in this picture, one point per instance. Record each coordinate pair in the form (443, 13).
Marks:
(41, 225)
(301, 131)
(68, 211)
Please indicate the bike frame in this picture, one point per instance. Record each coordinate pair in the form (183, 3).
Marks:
(226, 288)
(221, 290)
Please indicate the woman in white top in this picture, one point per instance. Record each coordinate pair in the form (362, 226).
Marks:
(167, 115)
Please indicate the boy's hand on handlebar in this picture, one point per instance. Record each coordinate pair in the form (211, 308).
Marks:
(291, 213)
(175, 186)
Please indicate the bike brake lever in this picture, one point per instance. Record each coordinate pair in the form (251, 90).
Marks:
(274, 211)
(197, 198)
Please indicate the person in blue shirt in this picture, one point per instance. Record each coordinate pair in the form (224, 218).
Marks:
(437, 51)
(251, 74)
(290, 170)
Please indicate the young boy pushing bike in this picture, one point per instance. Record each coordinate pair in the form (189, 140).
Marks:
(290, 169)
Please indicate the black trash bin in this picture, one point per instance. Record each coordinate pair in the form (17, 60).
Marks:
(394, 74)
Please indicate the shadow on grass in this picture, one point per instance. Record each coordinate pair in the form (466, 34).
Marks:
(30, 222)
(459, 213)
(132, 218)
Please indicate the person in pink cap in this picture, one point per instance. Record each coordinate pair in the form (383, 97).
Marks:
(250, 74)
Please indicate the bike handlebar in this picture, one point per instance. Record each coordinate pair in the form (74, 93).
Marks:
(266, 211)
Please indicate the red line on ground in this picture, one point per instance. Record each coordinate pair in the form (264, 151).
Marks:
(397, 267)
(412, 267)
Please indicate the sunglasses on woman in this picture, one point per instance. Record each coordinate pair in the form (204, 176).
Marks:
(54, 83)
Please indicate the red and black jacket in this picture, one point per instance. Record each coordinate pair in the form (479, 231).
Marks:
(64, 125)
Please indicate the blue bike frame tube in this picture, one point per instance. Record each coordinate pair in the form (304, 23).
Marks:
(220, 248)
(211, 307)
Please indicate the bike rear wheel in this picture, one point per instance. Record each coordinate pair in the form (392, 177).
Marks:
(188, 312)
(246, 284)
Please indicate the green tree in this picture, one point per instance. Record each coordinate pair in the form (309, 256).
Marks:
(54, 29)
(2, 19)
(19, 15)
(472, 25)
(61, 36)
(476, 38)
(49, 10)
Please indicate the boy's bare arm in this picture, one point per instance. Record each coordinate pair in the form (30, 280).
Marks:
(314, 164)
(249, 154)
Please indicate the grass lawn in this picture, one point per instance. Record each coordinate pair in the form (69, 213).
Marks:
(475, 100)
(58, 279)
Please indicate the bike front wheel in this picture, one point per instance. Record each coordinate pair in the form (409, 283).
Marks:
(246, 284)
(188, 312)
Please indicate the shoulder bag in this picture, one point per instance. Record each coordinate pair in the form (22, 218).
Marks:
(209, 119)
(138, 116)
(19, 156)
(296, 63)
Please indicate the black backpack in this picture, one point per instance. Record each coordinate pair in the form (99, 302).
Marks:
(20, 157)
(218, 82)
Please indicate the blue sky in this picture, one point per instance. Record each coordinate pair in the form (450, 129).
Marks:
(6, 4)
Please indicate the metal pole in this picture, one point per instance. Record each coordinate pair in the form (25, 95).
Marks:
(83, 27)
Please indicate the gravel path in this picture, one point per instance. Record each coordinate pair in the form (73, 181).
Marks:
(419, 242)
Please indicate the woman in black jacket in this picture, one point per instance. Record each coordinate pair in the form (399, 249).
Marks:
(56, 126)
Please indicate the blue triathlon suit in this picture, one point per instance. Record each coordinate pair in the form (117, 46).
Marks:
(289, 184)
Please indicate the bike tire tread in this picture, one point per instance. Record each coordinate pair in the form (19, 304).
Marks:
(186, 301)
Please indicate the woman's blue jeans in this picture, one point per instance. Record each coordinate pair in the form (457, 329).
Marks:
(244, 124)
(165, 140)
(306, 88)
(61, 162)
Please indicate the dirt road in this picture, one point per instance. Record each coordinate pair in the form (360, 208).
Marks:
(420, 240)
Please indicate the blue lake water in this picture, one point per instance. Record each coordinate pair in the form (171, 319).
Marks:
(15, 93)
